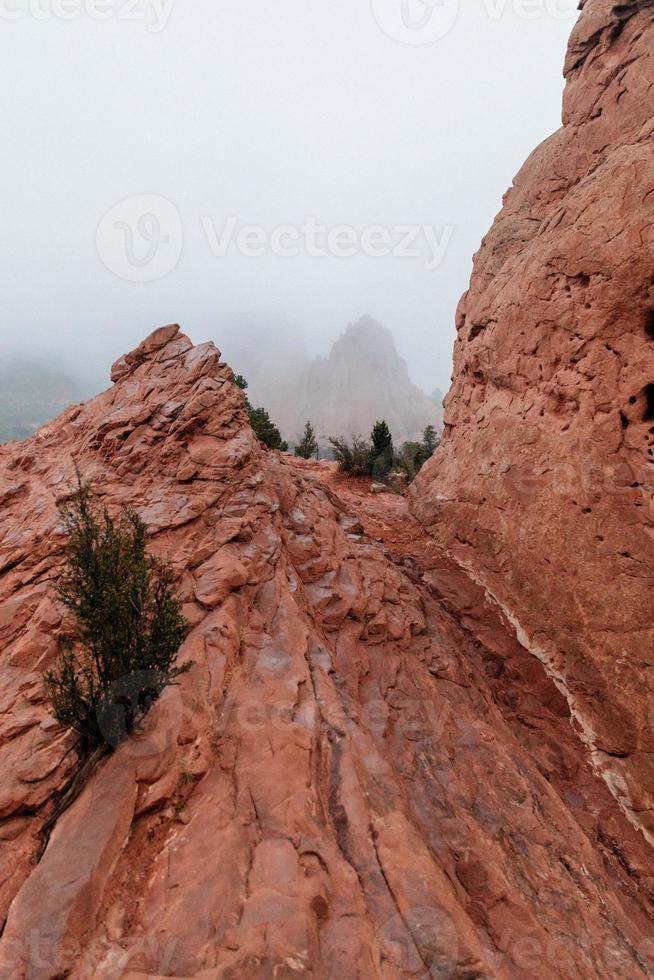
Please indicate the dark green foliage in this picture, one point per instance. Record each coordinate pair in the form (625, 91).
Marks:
(381, 438)
(308, 444)
(366, 458)
(128, 625)
(415, 454)
(264, 428)
(377, 457)
(430, 440)
(354, 457)
(266, 431)
(411, 459)
(382, 457)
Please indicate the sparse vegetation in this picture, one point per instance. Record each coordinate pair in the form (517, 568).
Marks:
(361, 457)
(414, 455)
(264, 428)
(353, 457)
(411, 459)
(266, 431)
(186, 775)
(377, 457)
(308, 444)
(430, 440)
(383, 453)
(127, 624)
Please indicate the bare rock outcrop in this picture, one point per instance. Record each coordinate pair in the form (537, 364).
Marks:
(363, 774)
(542, 489)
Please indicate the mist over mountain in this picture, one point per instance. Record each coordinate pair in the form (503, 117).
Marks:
(33, 392)
(362, 379)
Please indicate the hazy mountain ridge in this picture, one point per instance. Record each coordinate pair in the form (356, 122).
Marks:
(363, 379)
(32, 393)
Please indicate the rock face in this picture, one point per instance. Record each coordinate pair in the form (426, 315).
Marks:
(361, 381)
(542, 489)
(363, 774)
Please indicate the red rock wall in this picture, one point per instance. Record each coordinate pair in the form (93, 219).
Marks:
(543, 486)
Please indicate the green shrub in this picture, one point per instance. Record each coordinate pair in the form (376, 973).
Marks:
(430, 441)
(414, 455)
(411, 459)
(308, 444)
(373, 458)
(127, 624)
(354, 457)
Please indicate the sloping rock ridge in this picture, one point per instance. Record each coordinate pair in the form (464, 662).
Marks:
(362, 775)
(542, 489)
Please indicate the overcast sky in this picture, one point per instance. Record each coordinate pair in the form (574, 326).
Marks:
(312, 122)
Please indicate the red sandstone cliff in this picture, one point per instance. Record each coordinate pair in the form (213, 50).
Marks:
(363, 775)
(543, 486)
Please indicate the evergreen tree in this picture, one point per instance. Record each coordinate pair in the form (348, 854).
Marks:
(414, 455)
(382, 452)
(266, 431)
(308, 444)
(430, 441)
(264, 428)
(127, 624)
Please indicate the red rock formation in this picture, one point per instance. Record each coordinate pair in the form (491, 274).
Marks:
(542, 489)
(362, 775)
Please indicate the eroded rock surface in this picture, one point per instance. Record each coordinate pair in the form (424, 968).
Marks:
(362, 775)
(542, 489)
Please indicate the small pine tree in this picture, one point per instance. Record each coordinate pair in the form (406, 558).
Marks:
(264, 428)
(382, 450)
(414, 455)
(411, 459)
(430, 441)
(128, 625)
(266, 431)
(308, 444)
(381, 438)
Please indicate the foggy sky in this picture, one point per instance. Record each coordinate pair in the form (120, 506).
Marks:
(268, 112)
